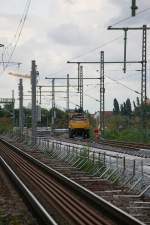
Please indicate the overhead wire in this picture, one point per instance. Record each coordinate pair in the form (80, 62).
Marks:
(90, 96)
(106, 43)
(98, 47)
(22, 18)
(116, 81)
(84, 53)
(130, 17)
(19, 30)
(88, 52)
(127, 18)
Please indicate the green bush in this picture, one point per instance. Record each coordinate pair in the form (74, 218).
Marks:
(129, 135)
(5, 124)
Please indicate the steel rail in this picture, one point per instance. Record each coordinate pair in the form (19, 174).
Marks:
(113, 212)
(105, 143)
(33, 201)
(126, 144)
(54, 191)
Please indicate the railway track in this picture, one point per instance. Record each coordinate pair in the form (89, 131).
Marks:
(13, 210)
(56, 198)
(140, 150)
(126, 144)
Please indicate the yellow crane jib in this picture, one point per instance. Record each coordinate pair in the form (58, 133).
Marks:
(20, 75)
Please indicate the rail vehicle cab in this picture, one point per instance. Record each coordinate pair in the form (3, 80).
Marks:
(79, 125)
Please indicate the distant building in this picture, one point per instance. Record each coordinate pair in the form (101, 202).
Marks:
(147, 101)
(107, 114)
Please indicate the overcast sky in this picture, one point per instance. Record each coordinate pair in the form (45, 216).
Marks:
(60, 30)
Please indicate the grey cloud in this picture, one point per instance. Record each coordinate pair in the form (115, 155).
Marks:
(70, 1)
(62, 29)
(70, 34)
(125, 12)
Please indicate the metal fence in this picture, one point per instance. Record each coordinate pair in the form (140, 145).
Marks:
(97, 163)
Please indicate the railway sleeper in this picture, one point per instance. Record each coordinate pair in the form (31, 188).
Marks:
(102, 183)
(141, 203)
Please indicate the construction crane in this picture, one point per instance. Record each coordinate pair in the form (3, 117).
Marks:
(20, 75)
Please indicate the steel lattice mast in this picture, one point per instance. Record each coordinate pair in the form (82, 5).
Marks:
(102, 94)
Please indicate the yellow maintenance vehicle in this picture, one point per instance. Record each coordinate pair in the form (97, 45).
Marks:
(79, 125)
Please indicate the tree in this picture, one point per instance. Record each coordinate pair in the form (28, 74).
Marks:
(60, 119)
(134, 105)
(122, 109)
(128, 107)
(138, 101)
(116, 109)
(8, 107)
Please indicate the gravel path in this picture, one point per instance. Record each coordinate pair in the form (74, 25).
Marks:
(13, 210)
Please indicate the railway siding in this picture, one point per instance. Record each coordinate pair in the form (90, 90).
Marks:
(51, 154)
(98, 202)
(13, 209)
(134, 170)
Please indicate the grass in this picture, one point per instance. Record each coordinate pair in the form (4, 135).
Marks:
(9, 220)
(129, 135)
(87, 163)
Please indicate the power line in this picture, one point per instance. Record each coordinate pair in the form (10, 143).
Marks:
(116, 81)
(88, 52)
(21, 20)
(19, 29)
(97, 100)
(90, 96)
(61, 70)
(122, 85)
(22, 26)
(115, 39)
(129, 17)
(94, 49)
(109, 42)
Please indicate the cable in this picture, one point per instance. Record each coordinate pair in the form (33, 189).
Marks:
(95, 99)
(88, 52)
(74, 103)
(21, 20)
(94, 49)
(115, 82)
(19, 30)
(117, 38)
(61, 70)
(106, 43)
(127, 18)
(91, 50)
(89, 96)
(122, 85)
